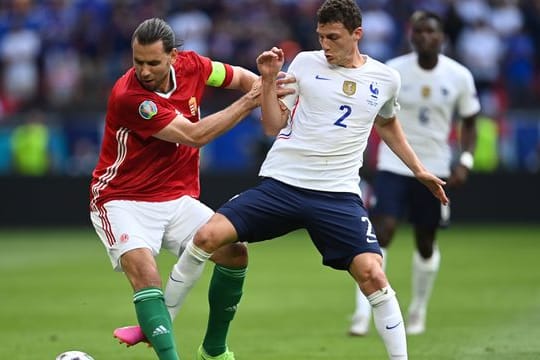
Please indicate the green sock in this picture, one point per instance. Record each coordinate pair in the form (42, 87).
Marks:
(155, 322)
(223, 296)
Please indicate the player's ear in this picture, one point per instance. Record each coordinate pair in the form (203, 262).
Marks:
(358, 33)
(174, 55)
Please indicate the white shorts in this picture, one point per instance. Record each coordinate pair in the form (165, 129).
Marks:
(124, 225)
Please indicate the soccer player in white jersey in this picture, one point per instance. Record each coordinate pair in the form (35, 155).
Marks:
(310, 175)
(434, 87)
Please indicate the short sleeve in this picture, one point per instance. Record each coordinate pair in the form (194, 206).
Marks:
(145, 114)
(468, 103)
(391, 106)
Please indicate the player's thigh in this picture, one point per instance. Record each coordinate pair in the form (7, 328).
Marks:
(267, 211)
(341, 229)
(125, 225)
(188, 215)
(391, 194)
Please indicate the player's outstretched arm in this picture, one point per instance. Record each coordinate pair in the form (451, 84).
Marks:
(242, 79)
(183, 131)
(274, 116)
(392, 134)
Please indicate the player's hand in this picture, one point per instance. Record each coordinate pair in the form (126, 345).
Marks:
(254, 94)
(434, 184)
(269, 63)
(459, 176)
(284, 79)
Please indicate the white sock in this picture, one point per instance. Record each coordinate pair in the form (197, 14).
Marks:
(183, 276)
(424, 272)
(389, 322)
(363, 309)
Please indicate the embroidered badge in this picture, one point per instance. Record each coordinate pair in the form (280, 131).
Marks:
(373, 94)
(147, 109)
(426, 91)
(124, 238)
(349, 87)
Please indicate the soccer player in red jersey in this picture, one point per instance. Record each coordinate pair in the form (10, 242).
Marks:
(145, 187)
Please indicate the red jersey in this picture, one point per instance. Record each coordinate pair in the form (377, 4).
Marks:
(134, 165)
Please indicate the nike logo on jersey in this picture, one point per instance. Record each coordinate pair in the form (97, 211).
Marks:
(393, 327)
(319, 77)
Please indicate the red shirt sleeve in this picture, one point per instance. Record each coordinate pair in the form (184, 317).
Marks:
(204, 64)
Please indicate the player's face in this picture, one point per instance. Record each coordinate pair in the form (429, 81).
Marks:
(338, 43)
(152, 65)
(426, 37)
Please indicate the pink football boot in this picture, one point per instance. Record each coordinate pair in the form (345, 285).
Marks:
(130, 335)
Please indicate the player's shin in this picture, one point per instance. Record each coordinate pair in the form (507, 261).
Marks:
(424, 274)
(223, 297)
(423, 277)
(389, 322)
(155, 322)
(362, 312)
(183, 276)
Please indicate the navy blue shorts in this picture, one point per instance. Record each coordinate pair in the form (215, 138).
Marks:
(337, 223)
(399, 195)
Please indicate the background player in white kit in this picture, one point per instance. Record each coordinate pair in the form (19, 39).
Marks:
(311, 172)
(434, 87)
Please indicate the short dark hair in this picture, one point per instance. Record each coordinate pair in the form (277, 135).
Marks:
(346, 12)
(152, 30)
(422, 15)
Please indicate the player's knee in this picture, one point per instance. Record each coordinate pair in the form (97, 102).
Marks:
(233, 256)
(375, 276)
(208, 238)
(215, 234)
(370, 274)
(203, 239)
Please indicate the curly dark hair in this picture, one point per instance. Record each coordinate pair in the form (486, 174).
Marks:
(346, 12)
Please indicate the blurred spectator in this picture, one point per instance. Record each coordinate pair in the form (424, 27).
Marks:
(480, 49)
(486, 154)
(192, 26)
(290, 49)
(472, 11)
(64, 55)
(505, 17)
(519, 68)
(379, 39)
(61, 61)
(20, 47)
(30, 145)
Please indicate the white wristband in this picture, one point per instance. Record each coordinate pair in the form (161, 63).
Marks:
(466, 159)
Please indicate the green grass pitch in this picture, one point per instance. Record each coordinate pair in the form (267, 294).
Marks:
(58, 292)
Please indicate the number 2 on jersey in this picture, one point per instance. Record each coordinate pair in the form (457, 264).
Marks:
(370, 233)
(348, 110)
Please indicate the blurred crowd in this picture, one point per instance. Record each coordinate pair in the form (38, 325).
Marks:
(63, 56)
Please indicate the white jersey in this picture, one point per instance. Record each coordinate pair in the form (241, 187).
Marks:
(332, 113)
(429, 99)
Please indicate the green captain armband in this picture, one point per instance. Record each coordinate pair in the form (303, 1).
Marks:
(217, 77)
